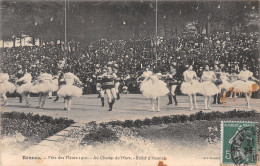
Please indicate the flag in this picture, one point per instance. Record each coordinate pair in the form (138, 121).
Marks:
(219, 6)
(244, 6)
(51, 19)
(253, 7)
(35, 23)
(197, 8)
(180, 11)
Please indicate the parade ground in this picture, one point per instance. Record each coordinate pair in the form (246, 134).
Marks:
(88, 108)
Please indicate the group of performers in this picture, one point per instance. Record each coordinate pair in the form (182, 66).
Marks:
(212, 83)
(43, 85)
(217, 83)
(108, 81)
(154, 84)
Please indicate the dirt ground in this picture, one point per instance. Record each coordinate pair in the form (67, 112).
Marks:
(132, 106)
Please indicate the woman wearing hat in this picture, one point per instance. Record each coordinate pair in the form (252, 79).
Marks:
(190, 85)
(207, 87)
(5, 86)
(245, 85)
(70, 89)
(109, 86)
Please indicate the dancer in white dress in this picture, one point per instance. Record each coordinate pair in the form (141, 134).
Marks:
(153, 88)
(69, 89)
(207, 87)
(5, 86)
(244, 85)
(190, 86)
(25, 88)
(61, 82)
(145, 76)
(225, 86)
(44, 85)
(233, 78)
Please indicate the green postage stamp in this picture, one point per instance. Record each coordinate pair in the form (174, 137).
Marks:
(239, 143)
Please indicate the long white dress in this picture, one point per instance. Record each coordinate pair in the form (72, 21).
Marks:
(69, 89)
(44, 84)
(243, 84)
(145, 75)
(233, 79)
(152, 87)
(225, 83)
(27, 85)
(190, 85)
(5, 85)
(207, 87)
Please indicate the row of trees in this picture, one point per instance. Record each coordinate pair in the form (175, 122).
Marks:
(119, 20)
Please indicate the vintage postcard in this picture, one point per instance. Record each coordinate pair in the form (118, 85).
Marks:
(129, 82)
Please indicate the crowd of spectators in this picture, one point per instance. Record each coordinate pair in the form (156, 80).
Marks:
(133, 56)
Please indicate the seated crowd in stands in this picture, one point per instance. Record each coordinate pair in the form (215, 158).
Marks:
(133, 56)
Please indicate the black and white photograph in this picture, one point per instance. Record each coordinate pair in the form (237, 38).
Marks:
(129, 82)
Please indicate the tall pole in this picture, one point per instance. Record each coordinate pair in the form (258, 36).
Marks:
(65, 30)
(156, 30)
(156, 18)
